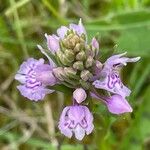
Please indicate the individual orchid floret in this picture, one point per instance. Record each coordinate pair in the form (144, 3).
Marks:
(52, 43)
(76, 120)
(79, 95)
(34, 76)
(116, 104)
(109, 78)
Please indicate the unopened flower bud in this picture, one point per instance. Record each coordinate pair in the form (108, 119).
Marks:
(70, 72)
(86, 75)
(81, 56)
(79, 95)
(71, 40)
(89, 62)
(85, 85)
(63, 59)
(75, 38)
(82, 41)
(59, 54)
(90, 51)
(59, 73)
(78, 65)
(77, 47)
(95, 43)
(99, 65)
(83, 36)
(70, 36)
(69, 55)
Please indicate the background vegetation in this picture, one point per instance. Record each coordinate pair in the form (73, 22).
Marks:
(123, 25)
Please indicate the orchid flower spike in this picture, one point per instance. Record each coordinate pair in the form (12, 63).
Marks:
(75, 65)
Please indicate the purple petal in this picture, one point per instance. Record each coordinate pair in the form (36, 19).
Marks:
(79, 132)
(76, 113)
(30, 63)
(118, 60)
(45, 75)
(118, 105)
(34, 93)
(52, 43)
(78, 28)
(89, 120)
(20, 78)
(62, 31)
(46, 78)
(61, 125)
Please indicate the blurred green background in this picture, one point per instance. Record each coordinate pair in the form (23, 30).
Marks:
(122, 25)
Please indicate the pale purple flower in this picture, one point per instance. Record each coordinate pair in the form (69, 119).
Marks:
(78, 28)
(52, 43)
(109, 78)
(79, 95)
(76, 120)
(62, 31)
(34, 76)
(116, 104)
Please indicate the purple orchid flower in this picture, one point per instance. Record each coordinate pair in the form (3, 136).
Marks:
(34, 76)
(76, 120)
(109, 78)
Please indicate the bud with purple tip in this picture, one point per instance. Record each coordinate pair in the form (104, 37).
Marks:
(79, 95)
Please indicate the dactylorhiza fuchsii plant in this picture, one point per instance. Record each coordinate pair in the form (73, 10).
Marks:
(75, 64)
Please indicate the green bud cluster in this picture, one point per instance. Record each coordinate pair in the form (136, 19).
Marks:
(76, 59)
